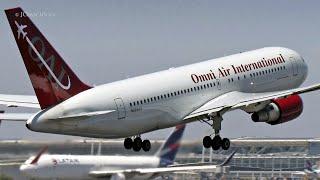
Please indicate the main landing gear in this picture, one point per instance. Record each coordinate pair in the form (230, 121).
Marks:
(216, 142)
(137, 144)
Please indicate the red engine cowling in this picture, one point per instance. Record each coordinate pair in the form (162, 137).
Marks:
(280, 110)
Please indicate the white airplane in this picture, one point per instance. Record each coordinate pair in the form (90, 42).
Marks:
(114, 167)
(263, 82)
(310, 171)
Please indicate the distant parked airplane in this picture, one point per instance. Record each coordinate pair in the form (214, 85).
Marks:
(311, 171)
(115, 167)
(262, 82)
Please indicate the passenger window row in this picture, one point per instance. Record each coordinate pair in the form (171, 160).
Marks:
(198, 88)
(263, 72)
(239, 78)
(173, 94)
(267, 71)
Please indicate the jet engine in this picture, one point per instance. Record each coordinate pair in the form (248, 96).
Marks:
(280, 110)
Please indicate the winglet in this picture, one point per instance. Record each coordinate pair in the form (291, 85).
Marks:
(227, 161)
(36, 159)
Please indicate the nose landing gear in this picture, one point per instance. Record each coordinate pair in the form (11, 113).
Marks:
(137, 144)
(216, 142)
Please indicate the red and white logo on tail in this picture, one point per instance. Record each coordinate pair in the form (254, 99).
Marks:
(39, 59)
(52, 79)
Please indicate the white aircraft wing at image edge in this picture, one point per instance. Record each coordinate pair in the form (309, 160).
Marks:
(19, 101)
(15, 116)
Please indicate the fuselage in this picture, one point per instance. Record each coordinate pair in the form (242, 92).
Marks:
(162, 99)
(79, 166)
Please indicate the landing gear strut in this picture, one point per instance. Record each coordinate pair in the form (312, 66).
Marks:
(216, 142)
(137, 144)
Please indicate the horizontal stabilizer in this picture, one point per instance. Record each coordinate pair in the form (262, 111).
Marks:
(15, 116)
(19, 101)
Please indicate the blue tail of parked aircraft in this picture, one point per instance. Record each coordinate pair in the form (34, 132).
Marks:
(309, 166)
(170, 147)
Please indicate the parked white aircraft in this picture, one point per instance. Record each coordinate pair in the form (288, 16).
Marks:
(114, 167)
(262, 82)
(311, 171)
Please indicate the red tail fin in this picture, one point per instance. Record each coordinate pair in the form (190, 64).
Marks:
(37, 157)
(52, 79)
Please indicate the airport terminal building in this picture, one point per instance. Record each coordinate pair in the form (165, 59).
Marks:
(254, 158)
(276, 154)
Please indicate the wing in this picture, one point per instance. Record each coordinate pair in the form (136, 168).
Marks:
(15, 116)
(235, 99)
(299, 173)
(102, 173)
(19, 100)
(14, 162)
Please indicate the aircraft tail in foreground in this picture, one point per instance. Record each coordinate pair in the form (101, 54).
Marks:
(52, 79)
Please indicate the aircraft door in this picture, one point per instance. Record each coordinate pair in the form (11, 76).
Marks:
(295, 67)
(120, 108)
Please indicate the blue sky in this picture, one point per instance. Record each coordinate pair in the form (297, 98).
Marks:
(105, 41)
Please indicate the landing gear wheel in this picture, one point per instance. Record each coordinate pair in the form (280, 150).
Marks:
(225, 144)
(207, 142)
(146, 145)
(137, 144)
(128, 143)
(216, 142)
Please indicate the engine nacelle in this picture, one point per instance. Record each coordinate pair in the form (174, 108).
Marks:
(280, 110)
